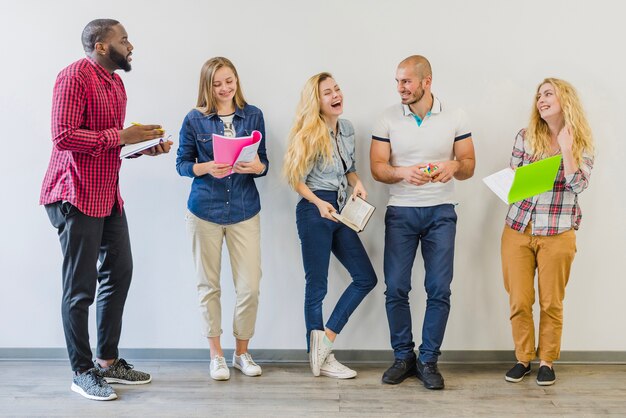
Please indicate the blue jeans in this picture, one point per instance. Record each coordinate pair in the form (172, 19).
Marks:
(319, 237)
(405, 227)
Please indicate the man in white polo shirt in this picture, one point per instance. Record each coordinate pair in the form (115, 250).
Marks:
(418, 147)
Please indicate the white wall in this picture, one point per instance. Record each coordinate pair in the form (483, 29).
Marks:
(487, 57)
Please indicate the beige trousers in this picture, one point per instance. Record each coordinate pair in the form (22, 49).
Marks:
(243, 241)
(552, 257)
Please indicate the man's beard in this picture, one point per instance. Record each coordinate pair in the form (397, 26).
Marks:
(417, 97)
(120, 60)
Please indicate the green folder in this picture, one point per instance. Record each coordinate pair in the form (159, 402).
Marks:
(534, 178)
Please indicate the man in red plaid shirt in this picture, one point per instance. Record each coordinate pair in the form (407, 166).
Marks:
(82, 198)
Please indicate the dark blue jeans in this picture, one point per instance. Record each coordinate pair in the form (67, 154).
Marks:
(96, 251)
(405, 228)
(319, 237)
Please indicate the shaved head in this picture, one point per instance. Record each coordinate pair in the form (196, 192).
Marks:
(419, 64)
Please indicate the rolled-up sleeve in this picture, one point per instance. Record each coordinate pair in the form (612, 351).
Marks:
(517, 155)
(579, 180)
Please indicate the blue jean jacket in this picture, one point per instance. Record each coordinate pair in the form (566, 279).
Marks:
(233, 198)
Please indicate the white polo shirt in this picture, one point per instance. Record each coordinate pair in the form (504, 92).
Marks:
(414, 141)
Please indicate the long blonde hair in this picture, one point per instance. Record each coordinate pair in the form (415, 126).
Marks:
(309, 137)
(538, 132)
(206, 99)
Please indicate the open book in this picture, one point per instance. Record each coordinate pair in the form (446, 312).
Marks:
(355, 214)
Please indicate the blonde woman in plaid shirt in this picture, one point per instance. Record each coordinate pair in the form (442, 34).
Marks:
(539, 232)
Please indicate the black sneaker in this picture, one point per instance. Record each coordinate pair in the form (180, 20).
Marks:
(122, 372)
(517, 373)
(429, 374)
(400, 370)
(546, 376)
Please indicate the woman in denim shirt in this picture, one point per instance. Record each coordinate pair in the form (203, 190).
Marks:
(319, 165)
(224, 204)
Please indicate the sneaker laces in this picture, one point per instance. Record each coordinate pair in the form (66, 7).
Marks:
(399, 364)
(331, 361)
(431, 367)
(220, 362)
(97, 378)
(248, 359)
(125, 364)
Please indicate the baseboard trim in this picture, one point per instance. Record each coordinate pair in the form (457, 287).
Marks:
(300, 356)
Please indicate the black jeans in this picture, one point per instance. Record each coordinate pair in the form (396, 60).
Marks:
(95, 251)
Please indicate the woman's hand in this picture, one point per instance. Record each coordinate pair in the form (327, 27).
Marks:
(565, 138)
(359, 190)
(326, 209)
(217, 170)
(253, 167)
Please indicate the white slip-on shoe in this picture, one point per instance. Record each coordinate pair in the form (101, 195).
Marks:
(219, 369)
(245, 363)
(332, 368)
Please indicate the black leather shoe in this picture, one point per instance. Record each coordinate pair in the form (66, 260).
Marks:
(400, 370)
(429, 374)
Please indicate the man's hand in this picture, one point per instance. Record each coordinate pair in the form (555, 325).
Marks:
(445, 171)
(413, 174)
(162, 148)
(139, 133)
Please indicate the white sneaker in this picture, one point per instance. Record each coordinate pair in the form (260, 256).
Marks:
(219, 369)
(318, 351)
(245, 363)
(332, 368)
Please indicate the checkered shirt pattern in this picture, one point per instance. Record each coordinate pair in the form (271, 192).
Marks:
(556, 210)
(88, 110)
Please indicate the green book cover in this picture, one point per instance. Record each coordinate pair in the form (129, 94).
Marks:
(534, 178)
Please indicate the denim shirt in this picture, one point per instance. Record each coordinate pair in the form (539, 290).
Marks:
(332, 176)
(233, 198)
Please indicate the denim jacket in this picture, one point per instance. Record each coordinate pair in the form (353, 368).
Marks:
(332, 176)
(233, 198)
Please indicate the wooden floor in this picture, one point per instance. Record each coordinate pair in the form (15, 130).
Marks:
(184, 389)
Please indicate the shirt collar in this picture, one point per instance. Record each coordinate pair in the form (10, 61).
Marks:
(238, 112)
(435, 109)
(339, 129)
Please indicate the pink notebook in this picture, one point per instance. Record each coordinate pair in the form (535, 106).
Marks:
(227, 150)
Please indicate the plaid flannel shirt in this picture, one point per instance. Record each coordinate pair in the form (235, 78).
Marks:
(555, 211)
(88, 109)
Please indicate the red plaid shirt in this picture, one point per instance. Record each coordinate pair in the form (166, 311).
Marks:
(88, 109)
(555, 211)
